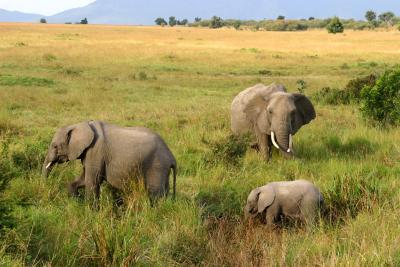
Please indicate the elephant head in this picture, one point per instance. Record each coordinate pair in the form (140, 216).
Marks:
(280, 115)
(69, 143)
(258, 200)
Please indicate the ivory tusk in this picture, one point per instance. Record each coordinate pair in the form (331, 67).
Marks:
(48, 165)
(290, 143)
(273, 140)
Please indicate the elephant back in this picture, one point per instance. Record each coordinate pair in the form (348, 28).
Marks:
(239, 122)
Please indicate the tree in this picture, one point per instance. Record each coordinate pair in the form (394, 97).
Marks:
(197, 19)
(160, 21)
(311, 18)
(216, 22)
(387, 18)
(172, 21)
(43, 20)
(335, 26)
(237, 24)
(84, 21)
(370, 16)
(280, 17)
(182, 22)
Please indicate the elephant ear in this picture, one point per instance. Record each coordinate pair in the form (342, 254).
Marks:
(80, 137)
(305, 111)
(256, 112)
(266, 197)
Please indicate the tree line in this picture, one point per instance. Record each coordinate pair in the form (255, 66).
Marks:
(334, 25)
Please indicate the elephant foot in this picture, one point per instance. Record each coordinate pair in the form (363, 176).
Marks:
(73, 190)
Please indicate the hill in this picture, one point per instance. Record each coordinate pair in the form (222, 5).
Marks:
(15, 16)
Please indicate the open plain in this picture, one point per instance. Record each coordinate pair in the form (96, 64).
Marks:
(180, 82)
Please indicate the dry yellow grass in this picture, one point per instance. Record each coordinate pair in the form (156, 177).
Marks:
(180, 81)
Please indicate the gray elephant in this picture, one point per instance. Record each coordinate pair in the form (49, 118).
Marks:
(272, 115)
(115, 154)
(298, 200)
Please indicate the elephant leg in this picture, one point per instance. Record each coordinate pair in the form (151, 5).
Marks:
(157, 181)
(92, 184)
(79, 182)
(264, 146)
(271, 215)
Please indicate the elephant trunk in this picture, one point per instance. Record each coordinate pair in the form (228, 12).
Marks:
(282, 139)
(47, 167)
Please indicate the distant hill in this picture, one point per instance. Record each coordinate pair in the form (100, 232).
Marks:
(146, 11)
(15, 16)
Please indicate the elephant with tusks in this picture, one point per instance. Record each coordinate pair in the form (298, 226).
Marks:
(272, 115)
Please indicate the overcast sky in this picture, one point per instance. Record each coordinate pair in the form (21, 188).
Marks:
(43, 7)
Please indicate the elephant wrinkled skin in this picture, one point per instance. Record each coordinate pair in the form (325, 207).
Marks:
(115, 154)
(272, 115)
(298, 199)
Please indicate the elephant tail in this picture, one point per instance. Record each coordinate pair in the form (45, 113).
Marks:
(174, 182)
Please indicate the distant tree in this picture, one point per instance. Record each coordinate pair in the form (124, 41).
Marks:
(182, 22)
(237, 24)
(172, 21)
(197, 19)
(216, 22)
(335, 26)
(370, 16)
(84, 21)
(160, 21)
(387, 18)
(311, 18)
(43, 20)
(280, 17)
(68, 22)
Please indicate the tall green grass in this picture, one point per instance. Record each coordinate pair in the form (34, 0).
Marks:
(185, 95)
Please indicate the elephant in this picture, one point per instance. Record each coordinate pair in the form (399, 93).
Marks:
(272, 115)
(114, 154)
(296, 200)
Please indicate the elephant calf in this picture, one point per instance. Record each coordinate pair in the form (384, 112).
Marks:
(115, 154)
(298, 199)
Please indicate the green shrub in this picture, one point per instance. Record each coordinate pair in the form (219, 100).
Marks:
(335, 26)
(332, 96)
(216, 22)
(355, 86)
(229, 150)
(381, 102)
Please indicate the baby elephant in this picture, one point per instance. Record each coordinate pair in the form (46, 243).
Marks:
(298, 199)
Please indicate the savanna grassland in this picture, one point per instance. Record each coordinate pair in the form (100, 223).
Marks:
(180, 82)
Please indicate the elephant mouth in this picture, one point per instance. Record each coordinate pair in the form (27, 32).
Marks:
(275, 143)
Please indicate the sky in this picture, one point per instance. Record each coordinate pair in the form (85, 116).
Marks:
(43, 7)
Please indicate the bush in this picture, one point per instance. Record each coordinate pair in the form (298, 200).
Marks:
(332, 96)
(381, 102)
(335, 26)
(216, 22)
(43, 20)
(229, 150)
(355, 86)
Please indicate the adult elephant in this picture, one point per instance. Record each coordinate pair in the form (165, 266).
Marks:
(115, 154)
(272, 114)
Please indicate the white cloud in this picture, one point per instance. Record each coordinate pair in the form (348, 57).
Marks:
(44, 7)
